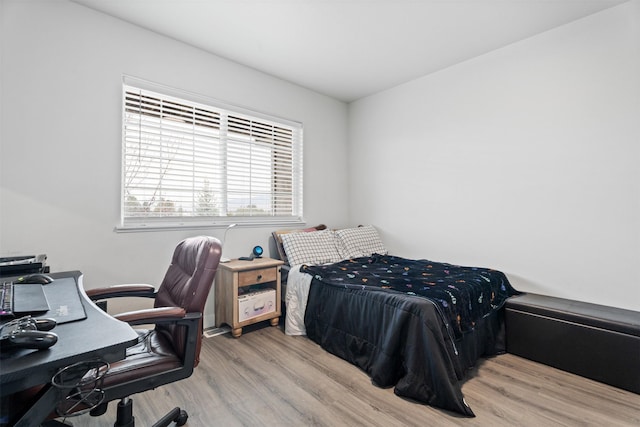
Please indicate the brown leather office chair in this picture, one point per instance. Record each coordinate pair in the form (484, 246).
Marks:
(169, 352)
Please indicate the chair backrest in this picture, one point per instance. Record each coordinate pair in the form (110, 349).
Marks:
(187, 284)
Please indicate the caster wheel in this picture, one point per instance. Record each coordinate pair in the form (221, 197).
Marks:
(182, 419)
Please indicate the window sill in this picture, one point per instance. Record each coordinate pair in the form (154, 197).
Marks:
(240, 222)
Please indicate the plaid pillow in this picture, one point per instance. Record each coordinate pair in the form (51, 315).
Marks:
(277, 238)
(359, 241)
(316, 247)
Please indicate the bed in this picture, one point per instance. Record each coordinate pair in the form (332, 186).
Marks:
(412, 324)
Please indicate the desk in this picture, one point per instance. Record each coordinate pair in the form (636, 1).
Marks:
(98, 336)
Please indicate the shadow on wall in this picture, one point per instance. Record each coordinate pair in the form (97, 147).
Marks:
(525, 285)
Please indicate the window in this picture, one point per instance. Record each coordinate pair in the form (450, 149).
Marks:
(191, 161)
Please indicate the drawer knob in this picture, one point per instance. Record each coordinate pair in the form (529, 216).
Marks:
(259, 276)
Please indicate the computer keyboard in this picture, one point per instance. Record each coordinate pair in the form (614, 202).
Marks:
(6, 300)
(21, 299)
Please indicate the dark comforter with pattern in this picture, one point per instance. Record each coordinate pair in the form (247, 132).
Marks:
(417, 325)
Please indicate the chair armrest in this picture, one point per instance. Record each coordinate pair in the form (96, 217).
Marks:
(174, 315)
(129, 290)
(152, 315)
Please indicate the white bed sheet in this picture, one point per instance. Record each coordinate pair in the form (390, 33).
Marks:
(298, 285)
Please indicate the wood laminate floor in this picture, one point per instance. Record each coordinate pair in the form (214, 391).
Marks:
(266, 378)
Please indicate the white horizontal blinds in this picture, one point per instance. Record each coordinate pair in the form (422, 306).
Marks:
(186, 159)
(260, 167)
(172, 156)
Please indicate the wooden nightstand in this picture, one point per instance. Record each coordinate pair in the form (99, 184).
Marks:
(247, 292)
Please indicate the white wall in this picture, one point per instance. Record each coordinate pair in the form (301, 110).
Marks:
(524, 159)
(61, 70)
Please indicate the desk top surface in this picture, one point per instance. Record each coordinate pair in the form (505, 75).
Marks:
(98, 336)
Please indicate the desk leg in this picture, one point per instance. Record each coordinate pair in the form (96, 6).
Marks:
(49, 396)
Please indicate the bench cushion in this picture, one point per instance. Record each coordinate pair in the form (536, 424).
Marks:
(598, 316)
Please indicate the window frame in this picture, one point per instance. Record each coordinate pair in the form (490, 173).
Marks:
(192, 221)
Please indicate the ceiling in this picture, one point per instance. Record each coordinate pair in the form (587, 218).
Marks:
(348, 49)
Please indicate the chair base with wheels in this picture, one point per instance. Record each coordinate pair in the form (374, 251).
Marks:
(125, 418)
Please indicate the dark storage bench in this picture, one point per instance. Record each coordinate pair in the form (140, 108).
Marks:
(594, 341)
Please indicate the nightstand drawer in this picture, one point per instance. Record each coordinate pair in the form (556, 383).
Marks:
(254, 277)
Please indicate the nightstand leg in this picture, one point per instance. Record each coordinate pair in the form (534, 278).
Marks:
(274, 321)
(236, 332)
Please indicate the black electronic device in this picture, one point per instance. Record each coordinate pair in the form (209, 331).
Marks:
(36, 278)
(36, 340)
(6, 300)
(255, 253)
(21, 265)
(22, 299)
(44, 323)
(258, 251)
(30, 323)
(29, 333)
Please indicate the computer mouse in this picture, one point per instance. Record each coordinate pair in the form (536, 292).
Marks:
(38, 278)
